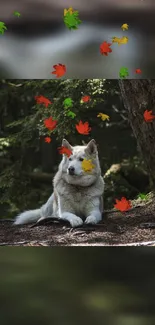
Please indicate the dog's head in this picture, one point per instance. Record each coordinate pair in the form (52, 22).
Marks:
(72, 167)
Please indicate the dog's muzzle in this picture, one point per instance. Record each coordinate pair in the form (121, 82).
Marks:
(71, 170)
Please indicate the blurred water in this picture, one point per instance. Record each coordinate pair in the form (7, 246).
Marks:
(77, 286)
(39, 39)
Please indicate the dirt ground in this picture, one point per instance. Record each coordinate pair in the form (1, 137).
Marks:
(135, 227)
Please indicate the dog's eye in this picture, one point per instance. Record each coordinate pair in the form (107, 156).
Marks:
(81, 159)
(70, 159)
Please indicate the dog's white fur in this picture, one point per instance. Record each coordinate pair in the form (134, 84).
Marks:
(75, 197)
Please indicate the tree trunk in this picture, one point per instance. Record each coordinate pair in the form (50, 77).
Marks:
(138, 96)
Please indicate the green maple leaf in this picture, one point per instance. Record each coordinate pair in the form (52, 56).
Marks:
(71, 114)
(16, 13)
(142, 196)
(71, 20)
(68, 102)
(2, 27)
(123, 73)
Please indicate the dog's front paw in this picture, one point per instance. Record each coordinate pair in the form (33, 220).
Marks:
(76, 221)
(72, 218)
(91, 220)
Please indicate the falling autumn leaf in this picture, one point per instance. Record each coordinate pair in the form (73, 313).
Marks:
(83, 128)
(105, 48)
(103, 116)
(68, 102)
(42, 100)
(2, 27)
(125, 27)
(60, 70)
(68, 10)
(71, 19)
(138, 71)
(71, 114)
(65, 151)
(121, 40)
(85, 99)
(16, 13)
(142, 196)
(123, 204)
(87, 165)
(50, 123)
(48, 139)
(115, 39)
(148, 117)
(123, 73)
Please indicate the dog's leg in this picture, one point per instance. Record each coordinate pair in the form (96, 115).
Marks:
(94, 217)
(66, 212)
(72, 218)
(94, 211)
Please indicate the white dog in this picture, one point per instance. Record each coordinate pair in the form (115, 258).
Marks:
(77, 195)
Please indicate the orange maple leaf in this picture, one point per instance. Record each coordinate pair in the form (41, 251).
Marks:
(65, 151)
(123, 204)
(60, 70)
(42, 100)
(105, 48)
(48, 139)
(148, 117)
(83, 128)
(85, 99)
(50, 123)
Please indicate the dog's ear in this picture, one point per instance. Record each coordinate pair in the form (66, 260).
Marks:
(66, 144)
(91, 147)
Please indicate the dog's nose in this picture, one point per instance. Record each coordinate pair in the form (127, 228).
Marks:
(71, 170)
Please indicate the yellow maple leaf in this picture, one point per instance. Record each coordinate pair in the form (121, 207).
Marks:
(68, 10)
(103, 116)
(125, 27)
(115, 39)
(123, 40)
(87, 165)
(119, 41)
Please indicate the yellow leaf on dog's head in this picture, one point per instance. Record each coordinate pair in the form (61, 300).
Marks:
(87, 165)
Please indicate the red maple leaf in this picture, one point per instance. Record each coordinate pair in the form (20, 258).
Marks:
(42, 100)
(138, 71)
(48, 139)
(85, 99)
(50, 123)
(148, 117)
(83, 128)
(123, 204)
(65, 151)
(105, 48)
(60, 70)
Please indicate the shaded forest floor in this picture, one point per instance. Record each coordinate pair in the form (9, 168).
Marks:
(136, 227)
